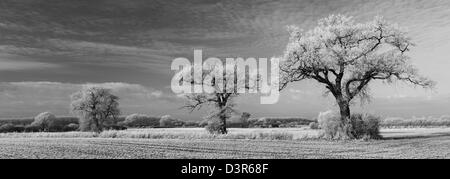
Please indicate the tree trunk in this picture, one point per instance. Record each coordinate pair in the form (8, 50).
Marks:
(223, 125)
(344, 108)
(345, 126)
(98, 127)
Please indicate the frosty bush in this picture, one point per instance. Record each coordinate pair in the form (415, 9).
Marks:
(214, 127)
(365, 126)
(360, 126)
(330, 122)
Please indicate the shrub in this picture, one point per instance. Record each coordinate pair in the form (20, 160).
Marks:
(213, 127)
(314, 125)
(365, 126)
(361, 126)
(140, 120)
(330, 122)
(45, 121)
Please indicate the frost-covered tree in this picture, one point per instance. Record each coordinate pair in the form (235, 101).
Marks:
(44, 121)
(94, 105)
(221, 84)
(346, 56)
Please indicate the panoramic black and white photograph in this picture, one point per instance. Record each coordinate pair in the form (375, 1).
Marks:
(224, 79)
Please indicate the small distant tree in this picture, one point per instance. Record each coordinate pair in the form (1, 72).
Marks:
(95, 105)
(217, 80)
(346, 57)
(44, 121)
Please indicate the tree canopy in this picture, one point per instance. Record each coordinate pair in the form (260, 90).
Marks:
(220, 84)
(346, 56)
(94, 105)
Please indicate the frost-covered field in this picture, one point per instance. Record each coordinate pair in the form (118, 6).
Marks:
(399, 143)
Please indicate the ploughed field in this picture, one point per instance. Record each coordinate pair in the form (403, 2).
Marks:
(398, 143)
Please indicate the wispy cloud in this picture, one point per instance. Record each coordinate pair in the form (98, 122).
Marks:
(7, 65)
(14, 63)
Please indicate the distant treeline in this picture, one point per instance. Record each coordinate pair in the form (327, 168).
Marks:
(28, 121)
(146, 121)
(392, 122)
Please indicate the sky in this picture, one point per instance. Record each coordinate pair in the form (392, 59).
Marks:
(49, 49)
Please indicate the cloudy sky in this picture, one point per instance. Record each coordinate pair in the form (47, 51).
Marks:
(51, 48)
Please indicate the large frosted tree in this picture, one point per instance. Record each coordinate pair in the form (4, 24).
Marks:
(346, 57)
(95, 105)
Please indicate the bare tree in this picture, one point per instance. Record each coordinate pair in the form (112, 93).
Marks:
(346, 56)
(222, 85)
(95, 105)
